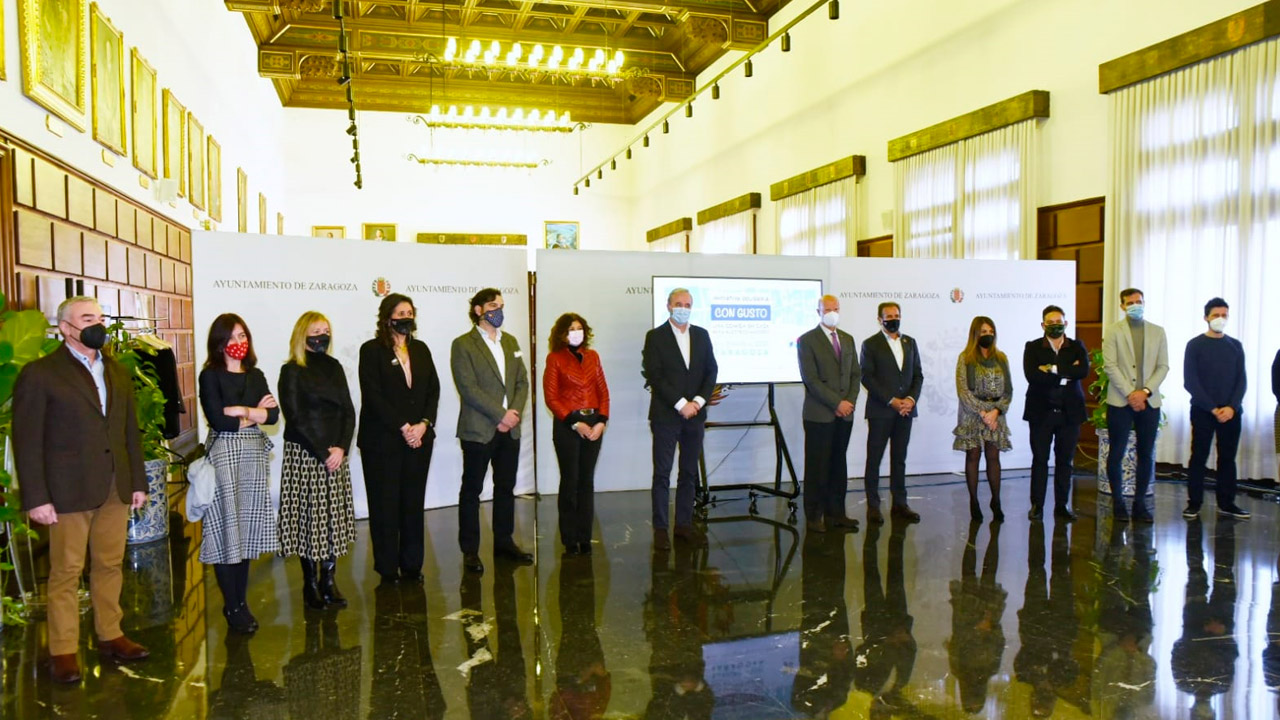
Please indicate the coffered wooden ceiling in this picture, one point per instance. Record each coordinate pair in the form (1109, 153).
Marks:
(397, 46)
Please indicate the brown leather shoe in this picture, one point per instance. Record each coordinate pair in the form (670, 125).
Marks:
(816, 526)
(661, 541)
(906, 513)
(844, 523)
(874, 516)
(64, 668)
(691, 535)
(122, 649)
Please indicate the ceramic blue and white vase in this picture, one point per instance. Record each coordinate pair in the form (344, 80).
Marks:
(151, 521)
(1128, 468)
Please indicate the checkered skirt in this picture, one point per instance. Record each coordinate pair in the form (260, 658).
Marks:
(239, 524)
(317, 519)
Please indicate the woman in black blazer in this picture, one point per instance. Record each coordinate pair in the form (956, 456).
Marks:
(400, 393)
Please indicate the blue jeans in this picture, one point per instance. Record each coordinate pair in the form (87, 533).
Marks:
(1120, 421)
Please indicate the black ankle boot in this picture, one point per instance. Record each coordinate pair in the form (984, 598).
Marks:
(311, 597)
(239, 620)
(329, 585)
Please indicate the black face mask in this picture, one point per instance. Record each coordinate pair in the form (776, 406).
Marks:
(318, 343)
(404, 326)
(93, 336)
(1055, 331)
(986, 341)
(891, 326)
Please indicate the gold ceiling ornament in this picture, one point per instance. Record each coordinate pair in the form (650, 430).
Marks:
(530, 62)
(308, 6)
(708, 30)
(517, 120)
(644, 87)
(319, 66)
(498, 164)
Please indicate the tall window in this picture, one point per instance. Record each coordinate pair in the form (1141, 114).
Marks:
(821, 221)
(678, 242)
(732, 234)
(971, 199)
(1194, 213)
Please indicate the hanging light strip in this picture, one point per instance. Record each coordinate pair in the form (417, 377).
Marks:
(712, 87)
(485, 119)
(536, 58)
(477, 163)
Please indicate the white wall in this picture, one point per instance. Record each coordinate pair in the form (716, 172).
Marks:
(886, 69)
(206, 55)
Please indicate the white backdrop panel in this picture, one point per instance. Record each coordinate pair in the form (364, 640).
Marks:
(612, 290)
(939, 299)
(271, 280)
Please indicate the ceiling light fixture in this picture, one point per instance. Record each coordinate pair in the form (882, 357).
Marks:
(595, 63)
(666, 127)
(786, 42)
(628, 153)
(833, 9)
(747, 69)
(688, 110)
(613, 164)
(715, 91)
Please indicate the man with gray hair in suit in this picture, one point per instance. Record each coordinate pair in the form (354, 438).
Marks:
(493, 385)
(831, 375)
(1136, 354)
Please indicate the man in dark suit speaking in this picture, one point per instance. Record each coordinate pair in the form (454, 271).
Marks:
(892, 376)
(680, 370)
(830, 373)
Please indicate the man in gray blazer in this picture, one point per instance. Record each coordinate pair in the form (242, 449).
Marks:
(493, 385)
(831, 375)
(1136, 357)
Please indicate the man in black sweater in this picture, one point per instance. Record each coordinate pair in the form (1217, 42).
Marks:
(1214, 374)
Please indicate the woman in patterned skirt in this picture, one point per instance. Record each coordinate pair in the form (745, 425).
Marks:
(238, 526)
(317, 521)
(985, 388)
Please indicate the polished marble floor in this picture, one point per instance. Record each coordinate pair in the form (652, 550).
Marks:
(944, 619)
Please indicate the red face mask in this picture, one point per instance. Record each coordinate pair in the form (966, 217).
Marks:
(236, 351)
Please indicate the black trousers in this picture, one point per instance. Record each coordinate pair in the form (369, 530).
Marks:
(395, 481)
(1204, 429)
(880, 432)
(1061, 435)
(826, 468)
(503, 452)
(1120, 421)
(576, 501)
(687, 434)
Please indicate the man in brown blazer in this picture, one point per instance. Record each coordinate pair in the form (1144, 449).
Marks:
(79, 459)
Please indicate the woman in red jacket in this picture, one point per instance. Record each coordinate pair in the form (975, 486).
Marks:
(574, 387)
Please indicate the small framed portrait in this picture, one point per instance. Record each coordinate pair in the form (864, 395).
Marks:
(107, 62)
(195, 161)
(262, 214)
(279, 223)
(214, 163)
(52, 42)
(144, 115)
(328, 231)
(561, 234)
(175, 140)
(242, 201)
(378, 231)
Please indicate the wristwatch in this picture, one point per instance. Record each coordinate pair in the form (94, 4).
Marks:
(1147, 391)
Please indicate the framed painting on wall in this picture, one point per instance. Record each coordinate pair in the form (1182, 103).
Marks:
(143, 80)
(174, 140)
(214, 163)
(279, 223)
(51, 39)
(328, 231)
(242, 201)
(195, 161)
(262, 214)
(561, 234)
(2, 75)
(106, 45)
(385, 232)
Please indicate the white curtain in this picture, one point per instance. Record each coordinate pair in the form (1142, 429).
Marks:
(822, 221)
(677, 242)
(735, 234)
(975, 198)
(1193, 212)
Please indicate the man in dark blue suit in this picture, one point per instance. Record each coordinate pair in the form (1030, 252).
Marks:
(892, 376)
(680, 370)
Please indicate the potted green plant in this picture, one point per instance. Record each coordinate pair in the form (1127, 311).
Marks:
(23, 338)
(151, 522)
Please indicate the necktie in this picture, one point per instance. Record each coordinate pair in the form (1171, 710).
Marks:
(835, 344)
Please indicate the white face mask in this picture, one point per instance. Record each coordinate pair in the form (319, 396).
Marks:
(576, 337)
(831, 318)
(1218, 324)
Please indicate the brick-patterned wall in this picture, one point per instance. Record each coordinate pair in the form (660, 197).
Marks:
(63, 226)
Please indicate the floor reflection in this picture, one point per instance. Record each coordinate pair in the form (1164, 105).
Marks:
(944, 619)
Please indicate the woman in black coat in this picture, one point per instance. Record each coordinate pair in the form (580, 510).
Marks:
(400, 393)
(317, 521)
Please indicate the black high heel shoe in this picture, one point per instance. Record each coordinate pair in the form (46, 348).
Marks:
(997, 515)
(975, 511)
(240, 620)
